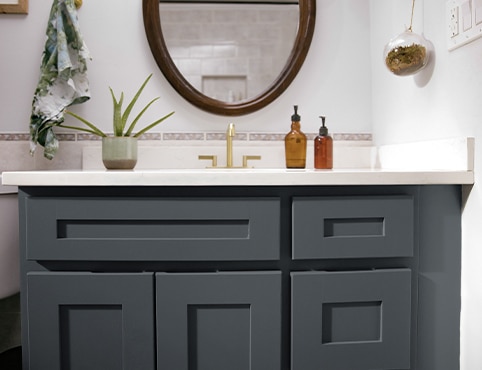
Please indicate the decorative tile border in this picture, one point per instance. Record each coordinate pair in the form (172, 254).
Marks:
(241, 136)
(256, 136)
(199, 136)
(14, 137)
(191, 136)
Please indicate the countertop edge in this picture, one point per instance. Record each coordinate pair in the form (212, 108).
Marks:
(236, 178)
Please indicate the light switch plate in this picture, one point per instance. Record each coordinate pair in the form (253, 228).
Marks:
(463, 22)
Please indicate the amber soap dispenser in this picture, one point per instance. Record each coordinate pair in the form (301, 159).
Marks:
(295, 143)
(323, 148)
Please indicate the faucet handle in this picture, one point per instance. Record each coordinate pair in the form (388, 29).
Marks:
(247, 158)
(213, 158)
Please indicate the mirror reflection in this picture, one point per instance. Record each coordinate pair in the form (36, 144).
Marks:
(229, 50)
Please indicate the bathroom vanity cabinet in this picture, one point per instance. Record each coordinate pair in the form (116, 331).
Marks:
(238, 278)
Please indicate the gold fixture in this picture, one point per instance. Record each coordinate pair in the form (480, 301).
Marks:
(229, 145)
(247, 158)
(78, 3)
(230, 133)
(213, 158)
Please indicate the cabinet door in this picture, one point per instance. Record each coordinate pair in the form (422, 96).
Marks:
(356, 320)
(219, 321)
(80, 321)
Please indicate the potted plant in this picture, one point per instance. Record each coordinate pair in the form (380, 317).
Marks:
(119, 151)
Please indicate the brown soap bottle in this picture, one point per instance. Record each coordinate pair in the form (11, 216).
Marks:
(295, 144)
(323, 148)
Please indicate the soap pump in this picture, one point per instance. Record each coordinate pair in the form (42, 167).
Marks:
(295, 143)
(323, 148)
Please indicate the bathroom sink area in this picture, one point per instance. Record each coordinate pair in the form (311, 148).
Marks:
(448, 161)
(168, 210)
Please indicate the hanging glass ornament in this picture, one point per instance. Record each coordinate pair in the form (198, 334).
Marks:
(408, 53)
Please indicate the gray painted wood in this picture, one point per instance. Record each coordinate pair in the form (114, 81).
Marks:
(351, 320)
(153, 229)
(81, 321)
(353, 227)
(440, 278)
(219, 321)
(435, 265)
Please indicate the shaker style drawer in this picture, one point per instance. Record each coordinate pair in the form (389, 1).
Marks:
(353, 227)
(163, 229)
(351, 320)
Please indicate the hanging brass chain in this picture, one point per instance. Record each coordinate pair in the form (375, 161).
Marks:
(411, 18)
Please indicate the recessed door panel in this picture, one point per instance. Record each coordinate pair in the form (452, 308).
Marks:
(219, 321)
(351, 320)
(81, 321)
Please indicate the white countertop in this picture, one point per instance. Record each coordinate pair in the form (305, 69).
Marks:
(234, 177)
(449, 161)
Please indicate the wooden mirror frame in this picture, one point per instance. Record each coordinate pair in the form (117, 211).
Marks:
(152, 25)
(21, 7)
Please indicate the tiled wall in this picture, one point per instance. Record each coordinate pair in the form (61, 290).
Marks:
(229, 51)
(15, 147)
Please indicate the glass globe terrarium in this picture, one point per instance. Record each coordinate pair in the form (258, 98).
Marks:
(407, 54)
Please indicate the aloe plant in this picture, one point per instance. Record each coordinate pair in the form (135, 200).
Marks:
(120, 118)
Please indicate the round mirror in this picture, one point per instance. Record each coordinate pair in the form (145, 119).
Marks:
(229, 57)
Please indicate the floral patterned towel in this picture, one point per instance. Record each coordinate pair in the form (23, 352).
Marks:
(63, 76)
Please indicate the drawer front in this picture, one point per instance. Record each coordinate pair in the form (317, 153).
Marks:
(351, 320)
(353, 227)
(152, 229)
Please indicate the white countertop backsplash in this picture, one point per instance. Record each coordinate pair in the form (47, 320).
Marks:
(181, 155)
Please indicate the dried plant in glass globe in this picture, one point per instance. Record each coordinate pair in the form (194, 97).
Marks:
(408, 53)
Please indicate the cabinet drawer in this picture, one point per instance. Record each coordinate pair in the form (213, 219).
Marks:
(351, 320)
(353, 227)
(142, 229)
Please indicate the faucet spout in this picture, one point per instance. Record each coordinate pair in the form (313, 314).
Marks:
(229, 145)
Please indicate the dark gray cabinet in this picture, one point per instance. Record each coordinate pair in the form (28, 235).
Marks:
(353, 227)
(219, 321)
(133, 229)
(216, 278)
(79, 321)
(348, 320)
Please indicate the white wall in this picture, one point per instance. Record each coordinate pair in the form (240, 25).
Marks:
(335, 80)
(442, 101)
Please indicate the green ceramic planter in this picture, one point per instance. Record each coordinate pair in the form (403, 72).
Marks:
(119, 153)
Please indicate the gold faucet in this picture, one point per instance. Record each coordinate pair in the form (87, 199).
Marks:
(229, 145)
(230, 133)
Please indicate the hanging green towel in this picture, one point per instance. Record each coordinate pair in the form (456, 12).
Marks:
(63, 76)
